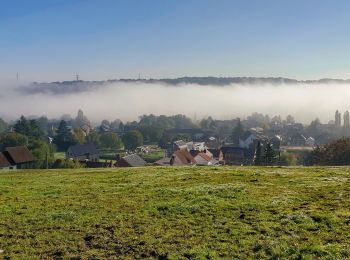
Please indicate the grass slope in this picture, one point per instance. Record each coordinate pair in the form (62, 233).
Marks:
(176, 213)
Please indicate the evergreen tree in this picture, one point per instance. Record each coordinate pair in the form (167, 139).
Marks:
(258, 160)
(270, 155)
(64, 138)
(237, 132)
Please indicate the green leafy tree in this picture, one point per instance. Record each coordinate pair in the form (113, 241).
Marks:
(3, 126)
(13, 139)
(151, 133)
(288, 159)
(79, 135)
(43, 152)
(93, 138)
(132, 139)
(110, 140)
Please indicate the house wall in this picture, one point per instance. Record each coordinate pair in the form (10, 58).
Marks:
(200, 160)
(123, 163)
(90, 157)
(13, 167)
(234, 158)
(247, 142)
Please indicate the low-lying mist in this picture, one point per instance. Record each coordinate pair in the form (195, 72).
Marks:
(127, 101)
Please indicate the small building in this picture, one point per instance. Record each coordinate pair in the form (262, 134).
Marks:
(204, 159)
(250, 138)
(297, 139)
(182, 158)
(310, 142)
(83, 152)
(132, 160)
(162, 162)
(4, 163)
(18, 157)
(230, 155)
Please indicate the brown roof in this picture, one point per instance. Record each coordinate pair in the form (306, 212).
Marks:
(162, 162)
(205, 156)
(19, 154)
(185, 157)
(3, 161)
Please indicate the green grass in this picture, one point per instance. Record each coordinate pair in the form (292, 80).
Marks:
(153, 156)
(59, 155)
(176, 213)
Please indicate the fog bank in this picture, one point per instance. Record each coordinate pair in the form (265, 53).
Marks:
(127, 101)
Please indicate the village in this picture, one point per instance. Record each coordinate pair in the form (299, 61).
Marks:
(164, 141)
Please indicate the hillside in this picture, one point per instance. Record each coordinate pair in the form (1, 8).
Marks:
(66, 87)
(176, 213)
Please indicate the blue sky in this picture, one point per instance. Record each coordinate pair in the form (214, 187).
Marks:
(103, 39)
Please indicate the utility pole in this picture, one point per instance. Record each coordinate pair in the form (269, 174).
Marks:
(77, 77)
(17, 76)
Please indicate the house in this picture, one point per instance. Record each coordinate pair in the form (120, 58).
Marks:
(132, 160)
(297, 139)
(249, 138)
(215, 152)
(203, 159)
(4, 163)
(174, 146)
(83, 152)
(18, 157)
(310, 142)
(182, 158)
(181, 145)
(197, 146)
(162, 162)
(231, 155)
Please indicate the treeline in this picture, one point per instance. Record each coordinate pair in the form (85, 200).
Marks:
(44, 137)
(335, 153)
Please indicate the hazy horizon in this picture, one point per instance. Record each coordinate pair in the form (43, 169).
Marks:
(128, 101)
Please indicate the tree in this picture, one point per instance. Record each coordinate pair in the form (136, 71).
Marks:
(270, 155)
(81, 119)
(79, 135)
(105, 126)
(13, 139)
(3, 126)
(64, 138)
(258, 155)
(110, 140)
(30, 128)
(22, 126)
(132, 139)
(314, 128)
(184, 137)
(42, 151)
(238, 132)
(93, 138)
(334, 153)
(288, 159)
(290, 119)
(151, 133)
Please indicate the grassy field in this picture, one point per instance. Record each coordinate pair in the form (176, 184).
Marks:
(174, 213)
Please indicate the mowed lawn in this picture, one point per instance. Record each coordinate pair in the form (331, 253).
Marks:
(175, 213)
